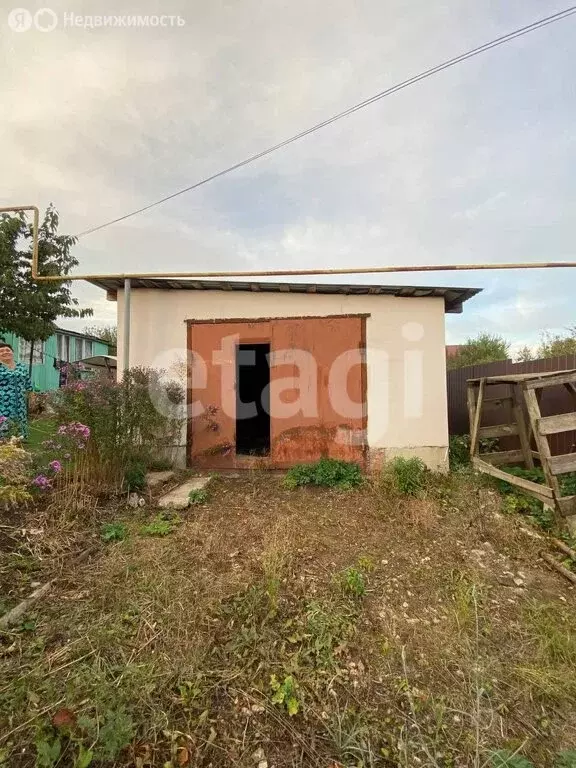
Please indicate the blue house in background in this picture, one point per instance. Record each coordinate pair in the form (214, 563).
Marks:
(48, 357)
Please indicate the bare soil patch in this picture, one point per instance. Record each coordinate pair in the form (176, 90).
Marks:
(302, 627)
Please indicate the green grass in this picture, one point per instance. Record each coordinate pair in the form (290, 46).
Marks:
(39, 430)
(330, 473)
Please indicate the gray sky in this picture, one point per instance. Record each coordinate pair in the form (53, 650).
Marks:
(475, 164)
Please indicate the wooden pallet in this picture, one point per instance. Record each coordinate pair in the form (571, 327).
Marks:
(525, 422)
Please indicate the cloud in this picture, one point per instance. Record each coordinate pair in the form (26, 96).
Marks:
(472, 165)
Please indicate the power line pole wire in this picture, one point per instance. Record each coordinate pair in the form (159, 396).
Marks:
(361, 105)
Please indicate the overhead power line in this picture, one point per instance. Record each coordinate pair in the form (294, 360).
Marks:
(361, 105)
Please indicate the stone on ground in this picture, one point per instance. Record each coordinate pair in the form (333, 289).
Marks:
(154, 479)
(178, 498)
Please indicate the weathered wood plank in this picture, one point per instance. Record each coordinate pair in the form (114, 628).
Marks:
(568, 377)
(563, 463)
(563, 422)
(567, 505)
(498, 400)
(523, 432)
(571, 389)
(502, 457)
(499, 430)
(541, 441)
(541, 492)
(565, 548)
(471, 403)
(475, 434)
(558, 566)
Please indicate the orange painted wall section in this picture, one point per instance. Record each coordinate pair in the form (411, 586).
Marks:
(321, 430)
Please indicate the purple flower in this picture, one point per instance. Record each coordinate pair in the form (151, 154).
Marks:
(55, 466)
(3, 419)
(42, 482)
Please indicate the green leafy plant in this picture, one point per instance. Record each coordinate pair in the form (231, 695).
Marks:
(116, 732)
(159, 526)
(331, 473)
(15, 475)
(198, 496)
(113, 532)
(535, 475)
(459, 451)
(515, 501)
(353, 582)
(406, 477)
(503, 758)
(286, 693)
(84, 757)
(48, 750)
(566, 759)
(107, 734)
(135, 476)
(568, 484)
(520, 503)
(131, 422)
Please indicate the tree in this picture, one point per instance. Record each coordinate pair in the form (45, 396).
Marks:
(484, 348)
(556, 345)
(29, 308)
(108, 333)
(524, 354)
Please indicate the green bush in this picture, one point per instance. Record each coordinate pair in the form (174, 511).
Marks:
(353, 582)
(407, 477)
(503, 758)
(113, 532)
(135, 476)
(198, 496)
(330, 473)
(15, 477)
(535, 475)
(516, 501)
(161, 525)
(459, 452)
(131, 422)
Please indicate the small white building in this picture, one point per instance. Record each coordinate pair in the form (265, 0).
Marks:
(280, 373)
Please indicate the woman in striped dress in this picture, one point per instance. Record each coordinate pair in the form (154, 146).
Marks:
(14, 386)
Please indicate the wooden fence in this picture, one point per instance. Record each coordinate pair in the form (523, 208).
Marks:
(554, 400)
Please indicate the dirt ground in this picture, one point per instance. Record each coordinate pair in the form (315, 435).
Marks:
(271, 627)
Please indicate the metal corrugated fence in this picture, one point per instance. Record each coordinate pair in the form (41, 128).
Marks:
(554, 399)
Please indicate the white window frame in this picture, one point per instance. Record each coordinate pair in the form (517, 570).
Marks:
(24, 352)
(63, 346)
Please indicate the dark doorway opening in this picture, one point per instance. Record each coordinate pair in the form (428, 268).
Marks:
(253, 399)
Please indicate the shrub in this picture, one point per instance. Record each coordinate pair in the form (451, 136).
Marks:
(353, 582)
(132, 422)
(113, 532)
(536, 475)
(15, 467)
(286, 694)
(406, 477)
(135, 476)
(159, 526)
(331, 473)
(198, 496)
(459, 451)
(503, 758)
